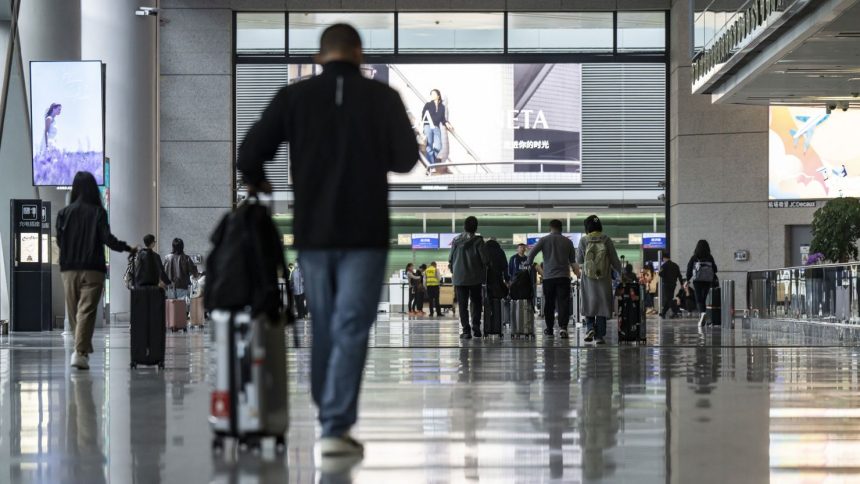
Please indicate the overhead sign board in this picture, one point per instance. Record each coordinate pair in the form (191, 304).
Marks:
(654, 241)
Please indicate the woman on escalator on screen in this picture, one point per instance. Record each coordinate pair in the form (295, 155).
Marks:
(433, 117)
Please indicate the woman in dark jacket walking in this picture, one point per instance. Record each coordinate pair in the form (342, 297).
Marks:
(82, 233)
(702, 272)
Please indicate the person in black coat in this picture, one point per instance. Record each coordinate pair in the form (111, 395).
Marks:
(670, 274)
(702, 272)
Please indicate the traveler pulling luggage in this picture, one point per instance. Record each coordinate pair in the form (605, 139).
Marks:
(522, 308)
(249, 401)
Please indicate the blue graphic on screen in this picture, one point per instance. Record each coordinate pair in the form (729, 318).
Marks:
(653, 241)
(68, 128)
(425, 241)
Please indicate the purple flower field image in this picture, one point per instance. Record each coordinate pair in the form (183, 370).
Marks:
(59, 168)
(66, 102)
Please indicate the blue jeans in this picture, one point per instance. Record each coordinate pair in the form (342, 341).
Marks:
(596, 323)
(434, 142)
(343, 289)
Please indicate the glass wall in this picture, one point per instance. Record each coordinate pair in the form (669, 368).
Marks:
(560, 32)
(376, 30)
(297, 33)
(451, 32)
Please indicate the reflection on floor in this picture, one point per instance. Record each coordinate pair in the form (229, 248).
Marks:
(765, 401)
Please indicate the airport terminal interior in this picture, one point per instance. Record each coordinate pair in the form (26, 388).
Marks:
(673, 121)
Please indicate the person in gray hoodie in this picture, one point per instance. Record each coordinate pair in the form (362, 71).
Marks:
(468, 262)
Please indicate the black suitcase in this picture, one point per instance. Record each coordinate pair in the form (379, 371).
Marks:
(492, 315)
(712, 306)
(147, 326)
(630, 323)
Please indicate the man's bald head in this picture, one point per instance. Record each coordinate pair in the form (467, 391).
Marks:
(340, 42)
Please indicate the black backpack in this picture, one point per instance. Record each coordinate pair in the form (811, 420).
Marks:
(147, 269)
(242, 269)
(521, 285)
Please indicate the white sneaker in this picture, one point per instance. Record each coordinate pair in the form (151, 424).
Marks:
(80, 361)
(340, 446)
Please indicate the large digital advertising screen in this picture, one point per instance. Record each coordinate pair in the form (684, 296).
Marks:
(66, 105)
(487, 123)
(812, 154)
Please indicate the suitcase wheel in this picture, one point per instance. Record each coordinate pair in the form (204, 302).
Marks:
(133, 365)
(217, 445)
(280, 445)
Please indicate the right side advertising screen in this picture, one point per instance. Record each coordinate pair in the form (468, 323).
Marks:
(813, 155)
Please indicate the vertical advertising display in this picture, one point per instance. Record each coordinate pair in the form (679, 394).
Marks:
(67, 109)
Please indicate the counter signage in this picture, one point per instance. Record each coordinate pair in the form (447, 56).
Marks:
(654, 241)
(425, 241)
(791, 204)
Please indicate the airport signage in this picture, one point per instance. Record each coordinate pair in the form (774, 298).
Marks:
(734, 35)
(654, 241)
(791, 204)
(425, 241)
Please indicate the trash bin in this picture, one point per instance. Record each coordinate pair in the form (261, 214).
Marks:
(728, 302)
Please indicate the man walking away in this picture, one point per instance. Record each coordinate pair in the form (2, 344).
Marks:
(518, 261)
(342, 128)
(559, 256)
(297, 285)
(148, 267)
(468, 262)
(431, 279)
(670, 273)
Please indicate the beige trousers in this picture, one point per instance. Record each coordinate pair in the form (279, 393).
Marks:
(83, 291)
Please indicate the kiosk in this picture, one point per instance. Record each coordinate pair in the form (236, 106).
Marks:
(31, 266)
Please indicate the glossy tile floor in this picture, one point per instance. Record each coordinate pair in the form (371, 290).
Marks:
(766, 401)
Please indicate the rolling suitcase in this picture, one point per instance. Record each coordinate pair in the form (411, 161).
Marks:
(198, 313)
(492, 315)
(713, 306)
(522, 318)
(631, 317)
(249, 401)
(506, 312)
(147, 326)
(176, 315)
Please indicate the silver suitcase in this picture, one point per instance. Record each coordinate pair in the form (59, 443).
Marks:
(522, 318)
(249, 401)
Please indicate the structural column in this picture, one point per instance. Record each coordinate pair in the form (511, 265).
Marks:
(127, 44)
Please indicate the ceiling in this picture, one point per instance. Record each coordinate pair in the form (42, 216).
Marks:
(815, 61)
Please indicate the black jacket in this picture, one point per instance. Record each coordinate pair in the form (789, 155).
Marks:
(670, 273)
(692, 264)
(148, 269)
(346, 133)
(82, 233)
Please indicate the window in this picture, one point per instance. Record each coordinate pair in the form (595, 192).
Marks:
(560, 32)
(451, 32)
(641, 31)
(376, 30)
(260, 33)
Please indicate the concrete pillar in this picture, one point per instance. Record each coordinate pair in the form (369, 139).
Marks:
(127, 44)
(50, 30)
(718, 169)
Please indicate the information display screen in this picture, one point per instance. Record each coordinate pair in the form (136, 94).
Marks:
(812, 154)
(487, 123)
(445, 240)
(425, 241)
(66, 104)
(653, 241)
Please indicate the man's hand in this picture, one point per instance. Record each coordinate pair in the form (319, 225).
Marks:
(262, 187)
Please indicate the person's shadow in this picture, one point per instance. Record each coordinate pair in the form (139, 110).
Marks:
(82, 433)
(598, 420)
(556, 405)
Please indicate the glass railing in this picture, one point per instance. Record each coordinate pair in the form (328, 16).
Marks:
(822, 293)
